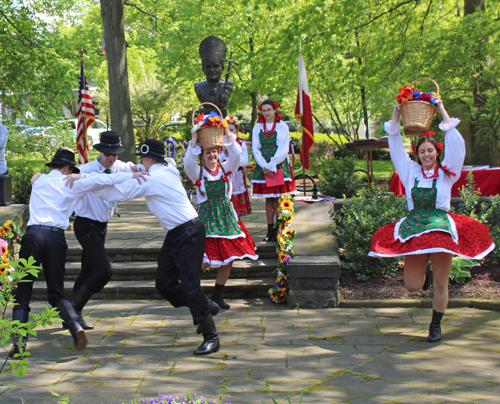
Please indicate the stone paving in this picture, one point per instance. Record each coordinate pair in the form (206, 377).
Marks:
(140, 348)
(362, 356)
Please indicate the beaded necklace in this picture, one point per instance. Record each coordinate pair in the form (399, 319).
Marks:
(215, 172)
(269, 133)
(435, 175)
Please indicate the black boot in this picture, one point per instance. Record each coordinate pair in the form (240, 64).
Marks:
(211, 342)
(70, 317)
(214, 310)
(428, 278)
(79, 301)
(217, 297)
(270, 229)
(435, 327)
(274, 235)
(19, 341)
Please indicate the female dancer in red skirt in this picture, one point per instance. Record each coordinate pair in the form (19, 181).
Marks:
(270, 145)
(240, 198)
(429, 232)
(227, 237)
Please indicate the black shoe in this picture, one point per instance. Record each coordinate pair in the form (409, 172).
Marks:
(82, 323)
(214, 310)
(435, 327)
(273, 238)
(211, 343)
(19, 342)
(428, 278)
(68, 313)
(221, 303)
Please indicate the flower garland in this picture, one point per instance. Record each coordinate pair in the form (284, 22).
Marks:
(206, 121)
(9, 235)
(285, 248)
(233, 120)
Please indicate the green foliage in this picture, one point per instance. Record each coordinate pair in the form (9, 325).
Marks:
(61, 400)
(460, 269)
(469, 197)
(319, 152)
(13, 272)
(287, 397)
(355, 224)
(338, 177)
(21, 183)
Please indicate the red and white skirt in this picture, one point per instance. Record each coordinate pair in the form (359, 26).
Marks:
(474, 241)
(242, 204)
(262, 190)
(222, 251)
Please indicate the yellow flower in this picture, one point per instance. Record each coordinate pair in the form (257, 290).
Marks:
(280, 238)
(224, 123)
(289, 233)
(282, 256)
(286, 205)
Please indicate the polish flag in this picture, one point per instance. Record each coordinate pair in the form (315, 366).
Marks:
(303, 113)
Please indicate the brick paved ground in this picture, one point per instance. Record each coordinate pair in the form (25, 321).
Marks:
(141, 348)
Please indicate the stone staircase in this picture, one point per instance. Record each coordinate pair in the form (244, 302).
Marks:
(133, 244)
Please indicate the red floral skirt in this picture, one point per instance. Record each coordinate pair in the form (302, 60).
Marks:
(262, 190)
(474, 241)
(242, 204)
(222, 251)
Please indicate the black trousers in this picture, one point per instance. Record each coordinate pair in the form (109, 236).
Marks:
(96, 268)
(180, 259)
(49, 250)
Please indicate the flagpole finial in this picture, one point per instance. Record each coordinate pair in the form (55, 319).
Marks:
(82, 52)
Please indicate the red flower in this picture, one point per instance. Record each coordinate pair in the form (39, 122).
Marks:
(425, 97)
(197, 183)
(428, 134)
(405, 94)
(278, 116)
(414, 150)
(276, 105)
(440, 146)
(259, 107)
(261, 118)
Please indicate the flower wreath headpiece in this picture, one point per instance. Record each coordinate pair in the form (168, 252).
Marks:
(233, 120)
(275, 106)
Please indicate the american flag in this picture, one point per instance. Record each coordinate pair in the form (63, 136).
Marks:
(85, 118)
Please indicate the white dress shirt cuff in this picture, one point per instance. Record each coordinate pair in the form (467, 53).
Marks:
(447, 126)
(387, 127)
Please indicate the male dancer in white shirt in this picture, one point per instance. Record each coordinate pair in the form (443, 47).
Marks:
(51, 205)
(181, 255)
(91, 223)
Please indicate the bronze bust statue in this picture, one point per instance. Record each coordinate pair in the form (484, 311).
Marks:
(213, 54)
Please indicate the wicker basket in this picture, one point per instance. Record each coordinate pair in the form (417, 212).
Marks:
(212, 136)
(417, 115)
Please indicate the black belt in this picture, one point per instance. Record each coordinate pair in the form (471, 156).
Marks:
(43, 227)
(186, 224)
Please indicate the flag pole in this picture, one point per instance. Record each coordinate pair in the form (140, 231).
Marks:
(302, 130)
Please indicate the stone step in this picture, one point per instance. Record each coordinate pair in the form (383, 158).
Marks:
(144, 251)
(146, 270)
(235, 288)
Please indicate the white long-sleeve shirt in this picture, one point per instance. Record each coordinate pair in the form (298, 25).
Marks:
(230, 165)
(408, 170)
(238, 182)
(165, 196)
(91, 206)
(4, 136)
(282, 141)
(52, 202)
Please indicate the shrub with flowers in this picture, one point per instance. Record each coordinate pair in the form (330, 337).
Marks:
(206, 121)
(188, 399)
(11, 273)
(285, 248)
(318, 154)
(412, 94)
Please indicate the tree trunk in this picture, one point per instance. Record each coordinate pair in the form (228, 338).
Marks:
(481, 152)
(255, 104)
(119, 92)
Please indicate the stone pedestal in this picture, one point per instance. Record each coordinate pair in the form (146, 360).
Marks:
(314, 282)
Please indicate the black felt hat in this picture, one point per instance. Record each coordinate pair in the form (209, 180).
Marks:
(110, 143)
(154, 149)
(64, 157)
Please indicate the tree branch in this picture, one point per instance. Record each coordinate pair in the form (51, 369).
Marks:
(386, 12)
(18, 30)
(126, 3)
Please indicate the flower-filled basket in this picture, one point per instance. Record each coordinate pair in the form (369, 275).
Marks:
(417, 108)
(210, 128)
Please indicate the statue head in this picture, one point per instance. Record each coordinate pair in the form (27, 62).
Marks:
(212, 52)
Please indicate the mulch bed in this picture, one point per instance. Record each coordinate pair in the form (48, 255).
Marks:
(484, 284)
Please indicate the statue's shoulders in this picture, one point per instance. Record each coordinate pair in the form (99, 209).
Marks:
(200, 84)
